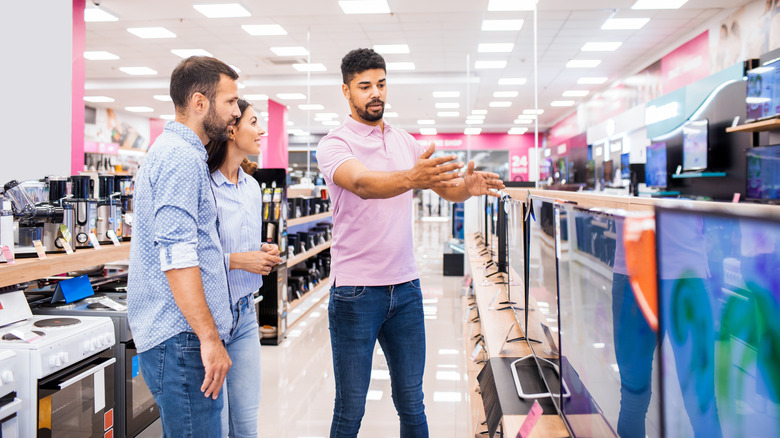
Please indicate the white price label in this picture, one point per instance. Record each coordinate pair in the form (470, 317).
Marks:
(94, 241)
(112, 235)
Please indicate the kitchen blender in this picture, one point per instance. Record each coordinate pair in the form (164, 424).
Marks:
(109, 214)
(54, 230)
(42, 220)
(84, 209)
(125, 185)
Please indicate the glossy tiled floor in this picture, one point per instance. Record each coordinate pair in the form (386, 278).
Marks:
(298, 388)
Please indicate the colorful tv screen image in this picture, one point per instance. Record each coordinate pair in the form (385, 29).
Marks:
(655, 167)
(763, 173)
(719, 301)
(760, 93)
(695, 145)
(625, 166)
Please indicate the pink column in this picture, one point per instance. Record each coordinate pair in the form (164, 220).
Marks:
(275, 153)
(77, 89)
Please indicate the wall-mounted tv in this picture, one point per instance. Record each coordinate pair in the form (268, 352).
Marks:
(763, 95)
(625, 167)
(695, 145)
(763, 173)
(655, 167)
(609, 171)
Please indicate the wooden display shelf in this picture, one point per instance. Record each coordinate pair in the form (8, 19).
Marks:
(314, 251)
(764, 125)
(30, 269)
(307, 219)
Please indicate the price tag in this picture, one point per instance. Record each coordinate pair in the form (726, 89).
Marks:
(39, 249)
(65, 232)
(476, 351)
(66, 246)
(94, 241)
(8, 254)
(112, 235)
(25, 335)
(736, 198)
(530, 421)
(108, 302)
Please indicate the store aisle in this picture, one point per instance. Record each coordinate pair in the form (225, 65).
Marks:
(298, 387)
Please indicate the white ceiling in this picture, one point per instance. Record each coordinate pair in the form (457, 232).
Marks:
(441, 34)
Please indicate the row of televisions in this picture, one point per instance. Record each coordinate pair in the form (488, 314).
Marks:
(703, 361)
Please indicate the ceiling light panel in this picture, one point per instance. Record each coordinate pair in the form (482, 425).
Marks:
(167, 117)
(476, 117)
(309, 67)
(138, 71)
(474, 122)
(364, 6)
(331, 122)
(163, 98)
(583, 63)
(472, 131)
(447, 105)
(222, 10)
(311, 107)
(448, 114)
(139, 109)
(479, 111)
(390, 114)
(399, 66)
(592, 80)
(428, 131)
(290, 51)
(98, 15)
(524, 122)
(263, 29)
(326, 115)
(391, 49)
(512, 81)
(426, 122)
(517, 131)
(601, 47)
(255, 97)
(495, 48)
(444, 94)
(485, 65)
(624, 23)
(501, 25)
(151, 32)
(562, 103)
(98, 99)
(291, 96)
(530, 111)
(99, 55)
(504, 94)
(659, 4)
(186, 53)
(511, 5)
(500, 104)
(576, 93)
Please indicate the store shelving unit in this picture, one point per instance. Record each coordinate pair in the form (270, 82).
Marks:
(761, 126)
(307, 219)
(310, 253)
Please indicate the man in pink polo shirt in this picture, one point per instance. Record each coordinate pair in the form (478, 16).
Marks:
(371, 168)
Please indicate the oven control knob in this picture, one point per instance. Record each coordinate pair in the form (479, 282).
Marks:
(85, 346)
(64, 357)
(58, 361)
(8, 377)
(53, 361)
(93, 345)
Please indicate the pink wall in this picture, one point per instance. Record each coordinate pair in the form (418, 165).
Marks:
(275, 152)
(686, 64)
(155, 129)
(77, 87)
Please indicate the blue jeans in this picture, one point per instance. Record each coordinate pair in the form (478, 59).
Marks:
(173, 370)
(242, 402)
(358, 317)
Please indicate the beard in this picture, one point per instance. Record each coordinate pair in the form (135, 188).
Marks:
(215, 128)
(366, 114)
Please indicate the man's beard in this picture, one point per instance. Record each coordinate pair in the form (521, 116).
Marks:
(216, 129)
(368, 116)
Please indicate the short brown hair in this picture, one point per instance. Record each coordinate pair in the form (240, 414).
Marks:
(197, 74)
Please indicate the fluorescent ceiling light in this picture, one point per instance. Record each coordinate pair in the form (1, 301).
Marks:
(476, 117)
(426, 122)
(290, 123)
(235, 69)
(390, 49)
(99, 55)
(96, 15)
(390, 114)
(624, 23)
(326, 115)
(223, 10)
(446, 94)
(591, 81)
(583, 63)
(483, 65)
(186, 53)
(526, 116)
(290, 51)
(530, 111)
(500, 104)
(511, 5)
(300, 133)
(396, 66)
(499, 25)
(151, 32)
(364, 6)
(576, 93)
(601, 47)
(138, 71)
(523, 122)
(517, 131)
(448, 114)
(98, 99)
(139, 109)
(311, 107)
(562, 103)
(291, 96)
(331, 122)
(428, 131)
(264, 29)
(479, 111)
(309, 67)
(495, 47)
(659, 4)
(474, 122)
(512, 81)
(472, 131)
(163, 97)
(264, 114)
(167, 116)
(240, 85)
(256, 97)
(447, 105)
(505, 94)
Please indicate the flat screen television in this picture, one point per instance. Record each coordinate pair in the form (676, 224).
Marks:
(625, 167)
(502, 234)
(517, 256)
(763, 95)
(561, 169)
(763, 174)
(718, 307)
(590, 173)
(655, 167)
(695, 145)
(609, 171)
(545, 169)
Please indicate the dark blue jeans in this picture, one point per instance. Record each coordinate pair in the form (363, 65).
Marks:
(393, 315)
(174, 372)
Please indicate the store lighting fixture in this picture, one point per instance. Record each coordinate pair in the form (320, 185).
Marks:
(264, 29)
(222, 10)
(426, 122)
(428, 131)
(311, 107)
(517, 131)
(479, 111)
(290, 51)
(512, 81)
(501, 25)
(98, 15)
(476, 117)
(364, 6)
(576, 93)
(390, 115)
(527, 116)
(504, 94)
(186, 53)
(326, 116)
(251, 97)
(446, 94)
(99, 55)
(659, 4)
(500, 104)
(511, 5)
(163, 98)
(474, 121)
(524, 122)
(290, 123)
(98, 99)
(484, 65)
(309, 67)
(240, 85)
(583, 63)
(300, 133)
(447, 105)
(235, 69)
(472, 131)
(562, 103)
(591, 81)
(624, 23)
(151, 32)
(264, 114)
(291, 96)
(531, 111)
(167, 117)
(399, 66)
(448, 114)
(331, 122)
(495, 48)
(139, 109)
(391, 49)
(138, 71)
(601, 47)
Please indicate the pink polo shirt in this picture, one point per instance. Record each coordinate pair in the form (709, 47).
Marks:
(372, 238)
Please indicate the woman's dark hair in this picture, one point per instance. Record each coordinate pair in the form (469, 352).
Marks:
(197, 74)
(217, 150)
(358, 61)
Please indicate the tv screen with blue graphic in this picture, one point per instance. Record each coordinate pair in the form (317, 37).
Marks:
(625, 167)
(763, 91)
(695, 145)
(655, 167)
(763, 173)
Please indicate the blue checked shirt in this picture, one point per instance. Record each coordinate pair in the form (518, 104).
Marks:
(175, 226)
(239, 208)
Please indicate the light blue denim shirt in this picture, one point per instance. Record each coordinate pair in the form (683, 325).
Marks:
(239, 208)
(175, 226)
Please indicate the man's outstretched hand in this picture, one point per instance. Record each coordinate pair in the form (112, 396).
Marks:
(480, 183)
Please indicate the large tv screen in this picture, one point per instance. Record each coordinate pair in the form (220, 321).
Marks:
(625, 170)
(719, 301)
(695, 145)
(762, 91)
(655, 167)
(763, 173)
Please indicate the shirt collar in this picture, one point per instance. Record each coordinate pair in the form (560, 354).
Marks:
(220, 179)
(361, 128)
(187, 134)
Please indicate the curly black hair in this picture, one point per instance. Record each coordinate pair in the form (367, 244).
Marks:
(358, 61)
